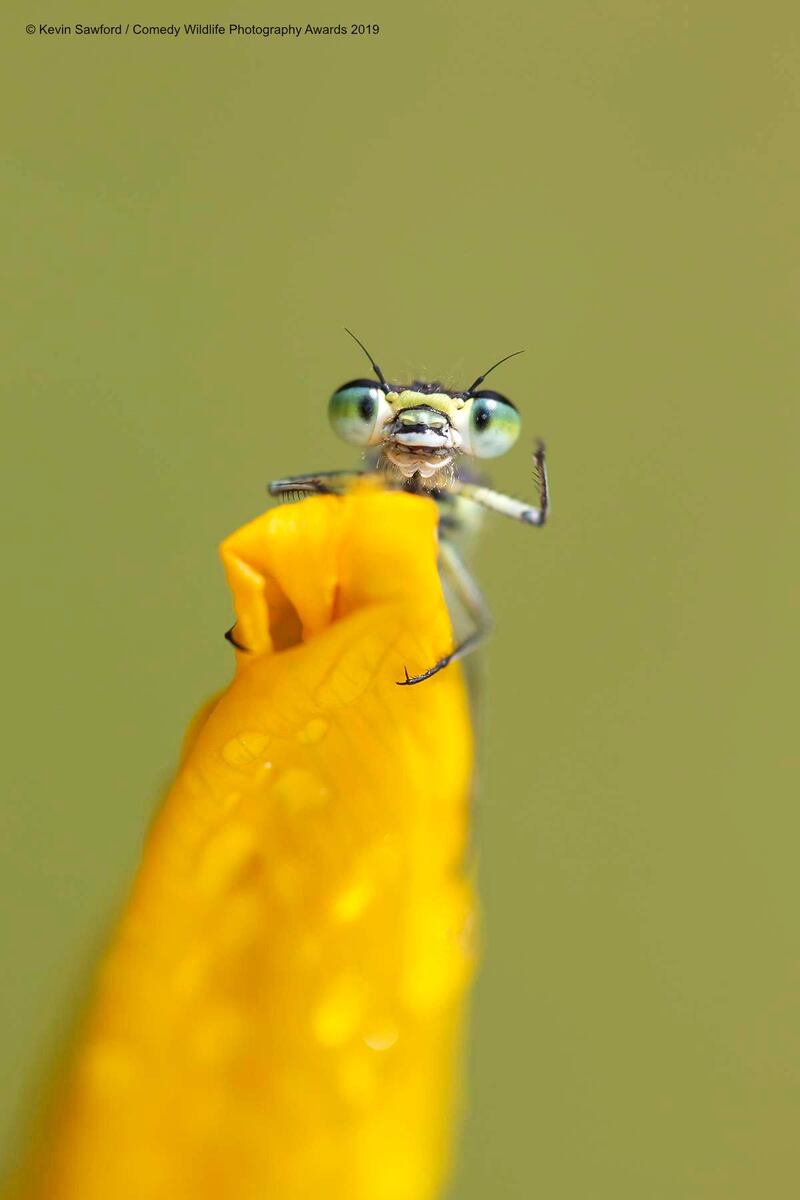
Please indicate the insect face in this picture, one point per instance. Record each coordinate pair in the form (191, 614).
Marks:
(422, 428)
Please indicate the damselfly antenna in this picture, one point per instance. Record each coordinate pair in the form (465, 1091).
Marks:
(375, 366)
(481, 378)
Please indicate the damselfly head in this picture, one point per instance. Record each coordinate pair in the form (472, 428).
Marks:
(421, 428)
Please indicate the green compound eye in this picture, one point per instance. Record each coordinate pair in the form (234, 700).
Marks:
(494, 425)
(354, 410)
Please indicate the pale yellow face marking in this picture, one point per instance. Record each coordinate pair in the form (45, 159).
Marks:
(449, 405)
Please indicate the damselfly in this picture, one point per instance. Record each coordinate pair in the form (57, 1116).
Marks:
(416, 437)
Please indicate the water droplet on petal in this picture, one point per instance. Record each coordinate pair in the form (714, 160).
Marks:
(244, 748)
(383, 1037)
(227, 858)
(313, 732)
(228, 803)
(350, 903)
(336, 1017)
(299, 790)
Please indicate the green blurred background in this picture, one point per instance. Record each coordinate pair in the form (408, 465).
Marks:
(615, 187)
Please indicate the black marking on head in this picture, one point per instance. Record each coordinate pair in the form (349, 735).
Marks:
(487, 394)
(428, 388)
(359, 383)
(437, 412)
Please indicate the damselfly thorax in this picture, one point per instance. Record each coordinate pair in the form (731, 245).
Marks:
(421, 437)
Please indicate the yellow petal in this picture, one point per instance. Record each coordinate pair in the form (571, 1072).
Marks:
(277, 1017)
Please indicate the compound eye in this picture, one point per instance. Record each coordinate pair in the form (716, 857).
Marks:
(355, 409)
(494, 425)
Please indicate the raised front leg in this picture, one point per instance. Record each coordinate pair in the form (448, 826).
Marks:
(507, 506)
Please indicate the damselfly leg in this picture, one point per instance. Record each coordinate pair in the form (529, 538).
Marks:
(507, 506)
(469, 596)
(321, 483)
